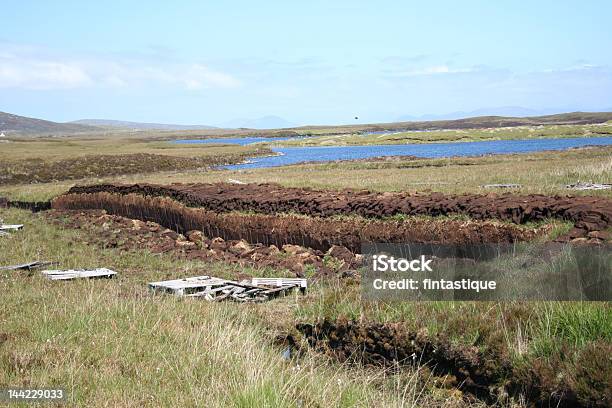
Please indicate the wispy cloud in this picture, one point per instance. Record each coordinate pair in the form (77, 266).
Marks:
(431, 70)
(26, 68)
(28, 73)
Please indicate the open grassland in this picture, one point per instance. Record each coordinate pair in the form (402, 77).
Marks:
(46, 160)
(454, 135)
(542, 172)
(112, 343)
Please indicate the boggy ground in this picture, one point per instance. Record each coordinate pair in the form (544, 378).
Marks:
(592, 216)
(43, 171)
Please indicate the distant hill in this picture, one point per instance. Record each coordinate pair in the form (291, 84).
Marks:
(506, 111)
(266, 122)
(480, 122)
(10, 123)
(138, 125)
(15, 124)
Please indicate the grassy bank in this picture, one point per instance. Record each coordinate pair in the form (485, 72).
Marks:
(454, 135)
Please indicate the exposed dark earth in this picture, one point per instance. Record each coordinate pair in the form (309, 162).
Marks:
(591, 216)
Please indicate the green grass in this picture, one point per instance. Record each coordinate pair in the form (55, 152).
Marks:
(113, 343)
(531, 328)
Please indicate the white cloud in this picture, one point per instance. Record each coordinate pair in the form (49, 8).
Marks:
(28, 69)
(199, 76)
(432, 70)
(41, 74)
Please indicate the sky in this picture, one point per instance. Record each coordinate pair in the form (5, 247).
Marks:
(310, 62)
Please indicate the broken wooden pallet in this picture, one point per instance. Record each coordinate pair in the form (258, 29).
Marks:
(79, 273)
(216, 289)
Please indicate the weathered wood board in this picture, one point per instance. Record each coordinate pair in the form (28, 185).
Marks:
(11, 227)
(29, 266)
(502, 186)
(79, 273)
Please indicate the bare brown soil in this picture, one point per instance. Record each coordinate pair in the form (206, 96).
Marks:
(113, 231)
(487, 375)
(591, 215)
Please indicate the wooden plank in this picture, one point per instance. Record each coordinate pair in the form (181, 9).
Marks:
(303, 283)
(29, 266)
(502, 186)
(589, 186)
(79, 273)
(215, 290)
(13, 227)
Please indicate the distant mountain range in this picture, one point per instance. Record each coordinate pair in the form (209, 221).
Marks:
(106, 123)
(507, 111)
(266, 122)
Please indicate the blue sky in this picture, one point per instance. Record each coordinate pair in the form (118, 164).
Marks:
(199, 62)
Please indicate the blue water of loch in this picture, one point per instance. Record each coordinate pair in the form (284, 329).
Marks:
(292, 155)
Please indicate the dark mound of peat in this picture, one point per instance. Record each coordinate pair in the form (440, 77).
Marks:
(312, 232)
(591, 215)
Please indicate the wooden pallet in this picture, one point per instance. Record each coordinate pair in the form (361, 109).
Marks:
(78, 274)
(216, 289)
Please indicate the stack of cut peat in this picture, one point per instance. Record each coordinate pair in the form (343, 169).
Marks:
(592, 216)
